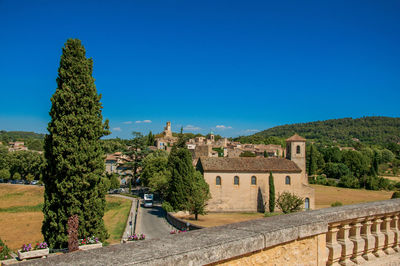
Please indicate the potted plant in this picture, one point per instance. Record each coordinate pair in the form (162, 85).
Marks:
(89, 243)
(38, 251)
(136, 237)
(5, 254)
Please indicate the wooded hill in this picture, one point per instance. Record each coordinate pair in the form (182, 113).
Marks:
(370, 130)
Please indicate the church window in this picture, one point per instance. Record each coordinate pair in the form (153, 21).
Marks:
(254, 180)
(307, 203)
(236, 180)
(218, 180)
(287, 180)
(298, 149)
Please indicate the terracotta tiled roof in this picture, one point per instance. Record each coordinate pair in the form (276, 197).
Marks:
(296, 137)
(247, 164)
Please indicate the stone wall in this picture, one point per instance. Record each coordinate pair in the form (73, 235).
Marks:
(279, 238)
(180, 224)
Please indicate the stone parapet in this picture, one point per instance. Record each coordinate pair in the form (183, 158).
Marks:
(339, 235)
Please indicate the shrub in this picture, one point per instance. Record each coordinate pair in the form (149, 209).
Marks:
(167, 206)
(4, 251)
(288, 202)
(5, 174)
(396, 195)
(336, 204)
(348, 181)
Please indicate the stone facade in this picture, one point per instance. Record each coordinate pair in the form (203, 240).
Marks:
(241, 184)
(167, 140)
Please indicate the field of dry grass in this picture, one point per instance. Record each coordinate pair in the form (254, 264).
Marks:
(325, 195)
(21, 215)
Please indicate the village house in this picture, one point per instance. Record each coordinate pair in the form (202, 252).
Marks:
(17, 146)
(115, 165)
(241, 184)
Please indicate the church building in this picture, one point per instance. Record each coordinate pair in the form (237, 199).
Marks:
(241, 184)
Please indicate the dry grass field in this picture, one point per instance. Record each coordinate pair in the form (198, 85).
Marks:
(325, 195)
(21, 215)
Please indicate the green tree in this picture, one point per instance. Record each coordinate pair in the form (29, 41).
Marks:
(114, 181)
(199, 195)
(17, 176)
(155, 173)
(288, 202)
(136, 153)
(265, 154)
(312, 161)
(5, 174)
(271, 193)
(150, 139)
(29, 177)
(74, 172)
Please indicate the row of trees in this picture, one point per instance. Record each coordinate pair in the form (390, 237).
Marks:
(350, 168)
(20, 165)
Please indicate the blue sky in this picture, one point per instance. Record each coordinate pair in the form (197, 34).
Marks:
(231, 67)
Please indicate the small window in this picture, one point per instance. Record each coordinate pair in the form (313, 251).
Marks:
(307, 203)
(236, 180)
(254, 180)
(298, 149)
(218, 180)
(287, 180)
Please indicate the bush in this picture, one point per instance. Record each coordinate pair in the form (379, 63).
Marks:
(336, 204)
(17, 176)
(167, 206)
(5, 174)
(348, 181)
(4, 251)
(288, 202)
(396, 195)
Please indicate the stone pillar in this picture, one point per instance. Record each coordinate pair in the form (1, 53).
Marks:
(395, 229)
(379, 238)
(369, 239)
(358, 241)
(389, 235)
(333, 246)
(346, 243)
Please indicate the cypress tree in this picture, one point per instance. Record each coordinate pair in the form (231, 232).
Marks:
(150, 139)
(182, 176)
(265, 154)
(271, 193)
(312, 165)
(74, 170)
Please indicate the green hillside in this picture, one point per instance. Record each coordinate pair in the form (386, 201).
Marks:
(371, 130)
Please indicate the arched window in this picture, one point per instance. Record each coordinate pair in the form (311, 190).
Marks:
(287, 180)
(307, 203)
(236, 180)
(298, 149)
(254, 180)
(218, 180)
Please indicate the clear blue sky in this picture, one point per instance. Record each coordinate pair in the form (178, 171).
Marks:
(232, 67)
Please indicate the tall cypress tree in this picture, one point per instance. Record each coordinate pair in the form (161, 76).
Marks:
(271, 193)
(74, 170)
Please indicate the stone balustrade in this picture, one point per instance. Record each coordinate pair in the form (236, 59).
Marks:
(366, 233)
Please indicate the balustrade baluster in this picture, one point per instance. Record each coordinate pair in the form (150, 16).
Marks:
(395, 229)
(369, 239)
(334, 248)
(379, 238)
(358, 241)
(346, 243)
(389, 235)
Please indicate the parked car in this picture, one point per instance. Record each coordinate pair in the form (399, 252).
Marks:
(34, 182)
(20, 182)
(2, 181)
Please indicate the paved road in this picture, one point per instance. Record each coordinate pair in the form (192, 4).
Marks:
(153, 223)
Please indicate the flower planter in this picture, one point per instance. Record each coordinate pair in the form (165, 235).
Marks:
(91, 246)
(33, 254)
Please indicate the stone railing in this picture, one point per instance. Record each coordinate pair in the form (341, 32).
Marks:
(180, 224)
(366, 233)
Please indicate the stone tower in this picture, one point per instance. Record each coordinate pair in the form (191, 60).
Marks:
(296, 152)
(167, 130)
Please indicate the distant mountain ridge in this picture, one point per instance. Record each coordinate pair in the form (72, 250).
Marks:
(373, 130)
(19, 135)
